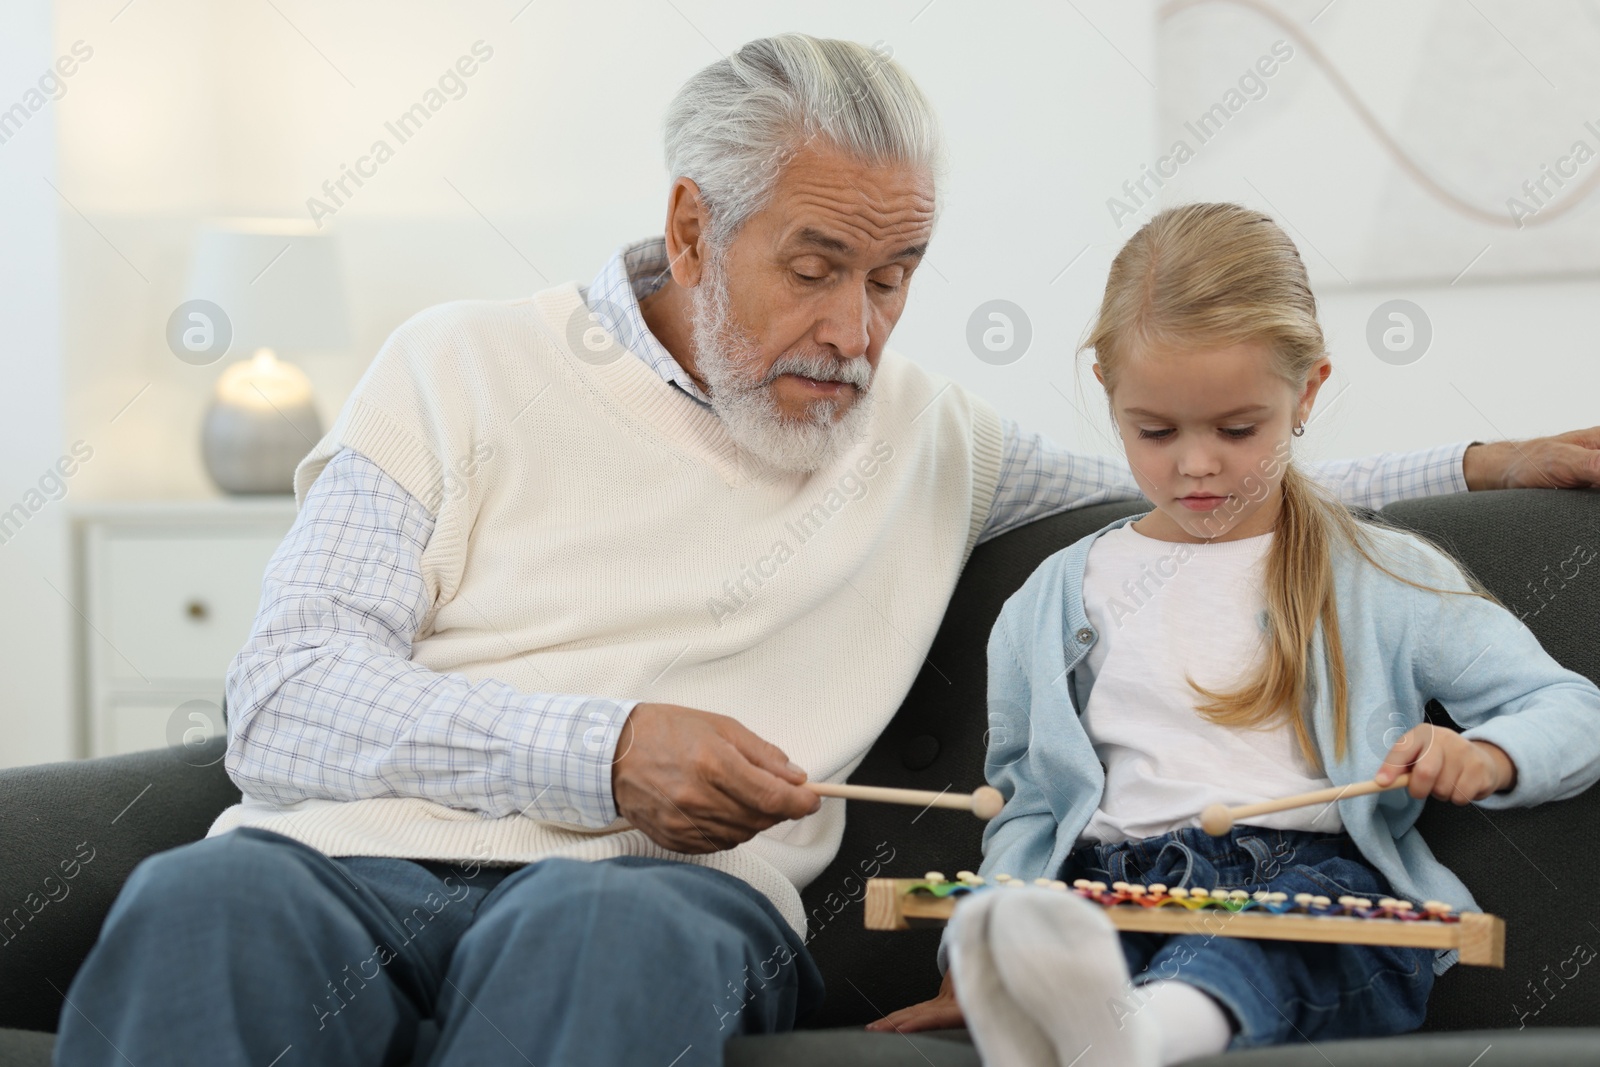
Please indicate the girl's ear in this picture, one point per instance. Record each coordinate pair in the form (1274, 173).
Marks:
(1308, 396)
(1098, 376)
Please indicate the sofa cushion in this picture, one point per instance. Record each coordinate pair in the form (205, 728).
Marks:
(857, 1048)
(953, 1048)
(25, 1048)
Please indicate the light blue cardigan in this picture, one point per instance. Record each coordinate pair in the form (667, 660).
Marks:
(1402, 647)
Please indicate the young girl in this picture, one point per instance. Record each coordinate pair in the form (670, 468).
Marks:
(1247, 639)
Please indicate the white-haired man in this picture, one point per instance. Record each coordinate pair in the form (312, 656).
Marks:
(583, 587)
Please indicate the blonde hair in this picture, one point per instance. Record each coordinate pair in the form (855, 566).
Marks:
(1213, 276)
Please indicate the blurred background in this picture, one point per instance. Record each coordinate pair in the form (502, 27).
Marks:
(202, 244)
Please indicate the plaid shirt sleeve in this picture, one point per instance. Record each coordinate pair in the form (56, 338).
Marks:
(1040, 478)
(324, 701)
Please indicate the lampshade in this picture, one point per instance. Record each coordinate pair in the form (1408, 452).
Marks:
(279, 282)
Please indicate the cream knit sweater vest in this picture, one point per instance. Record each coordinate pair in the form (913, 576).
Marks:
(598, 532)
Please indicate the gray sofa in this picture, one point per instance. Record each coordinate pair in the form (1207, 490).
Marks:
(1535, 868)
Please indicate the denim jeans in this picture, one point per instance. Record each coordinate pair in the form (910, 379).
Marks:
(233, 950)
(1278, 992)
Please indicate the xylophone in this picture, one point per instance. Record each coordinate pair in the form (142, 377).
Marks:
(901, 903)
(905, 903)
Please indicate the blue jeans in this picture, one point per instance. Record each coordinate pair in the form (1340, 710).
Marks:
(232, 950)
(1278, 992)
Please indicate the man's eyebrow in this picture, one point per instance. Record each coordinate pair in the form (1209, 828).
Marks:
(1246, 410)
(813, 236)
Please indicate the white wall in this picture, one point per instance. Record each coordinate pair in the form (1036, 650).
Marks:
(552, 158)
(1463, 88)
(34, 627)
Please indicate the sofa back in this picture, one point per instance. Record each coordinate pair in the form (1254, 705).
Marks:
(1537, 550)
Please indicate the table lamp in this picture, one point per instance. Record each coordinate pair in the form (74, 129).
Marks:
(279, 283)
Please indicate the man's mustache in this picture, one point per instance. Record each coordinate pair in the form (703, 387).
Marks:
(818, 367)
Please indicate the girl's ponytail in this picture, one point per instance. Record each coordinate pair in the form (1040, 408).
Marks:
(1299, 591)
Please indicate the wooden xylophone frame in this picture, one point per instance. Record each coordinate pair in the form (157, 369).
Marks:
(1478, 937)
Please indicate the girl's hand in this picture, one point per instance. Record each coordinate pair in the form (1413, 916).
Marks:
(1445, 765)
(940, 1013)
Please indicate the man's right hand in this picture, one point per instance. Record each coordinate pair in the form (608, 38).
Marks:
(695, 781)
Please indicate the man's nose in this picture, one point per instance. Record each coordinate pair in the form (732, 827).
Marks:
(845, 321)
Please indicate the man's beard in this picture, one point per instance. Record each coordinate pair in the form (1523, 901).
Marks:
(724, 356)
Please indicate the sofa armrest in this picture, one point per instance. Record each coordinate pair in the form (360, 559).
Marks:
(70, 833)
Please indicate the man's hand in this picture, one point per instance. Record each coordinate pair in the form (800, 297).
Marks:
(698, 782)
(1566, 461)
(1445, 765)
(940, 1013)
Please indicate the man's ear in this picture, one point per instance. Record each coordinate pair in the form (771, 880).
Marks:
(687, 223)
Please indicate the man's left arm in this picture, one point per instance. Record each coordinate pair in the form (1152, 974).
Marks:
(1373, 481)
(1039, 478)
(1569, 460)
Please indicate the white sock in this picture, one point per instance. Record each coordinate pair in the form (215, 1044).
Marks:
(1059, 960)
(1002, 1032)
(1190, 1023)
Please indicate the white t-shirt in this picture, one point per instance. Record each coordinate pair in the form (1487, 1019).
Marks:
(1162, 610)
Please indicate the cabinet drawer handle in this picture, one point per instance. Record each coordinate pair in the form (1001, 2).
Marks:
(197, 610)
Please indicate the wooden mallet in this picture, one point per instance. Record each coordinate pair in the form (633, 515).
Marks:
(1218, 819)
(985, 802)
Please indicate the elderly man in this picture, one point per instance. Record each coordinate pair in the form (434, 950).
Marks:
(583, 588)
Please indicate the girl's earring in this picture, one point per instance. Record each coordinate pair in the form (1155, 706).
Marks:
(1299, 430)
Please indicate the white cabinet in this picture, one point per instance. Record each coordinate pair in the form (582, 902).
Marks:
(167, 595)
